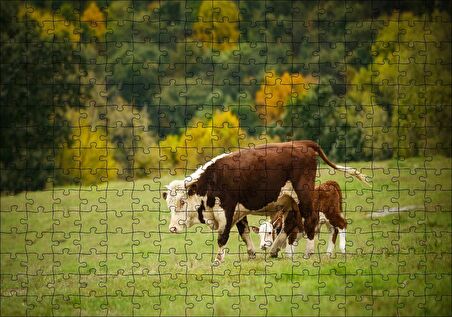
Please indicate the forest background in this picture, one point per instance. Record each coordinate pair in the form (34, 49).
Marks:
(104, 90)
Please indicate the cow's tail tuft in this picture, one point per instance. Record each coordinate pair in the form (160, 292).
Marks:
(348, 170)
(353, 172)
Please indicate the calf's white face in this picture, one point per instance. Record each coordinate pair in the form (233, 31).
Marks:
(183, 208)
(265, 232)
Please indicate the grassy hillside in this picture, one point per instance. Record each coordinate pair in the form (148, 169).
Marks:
(107, 249)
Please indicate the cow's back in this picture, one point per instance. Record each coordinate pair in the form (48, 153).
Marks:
(254, 177)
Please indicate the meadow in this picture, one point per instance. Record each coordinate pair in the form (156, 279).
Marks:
(106, 250)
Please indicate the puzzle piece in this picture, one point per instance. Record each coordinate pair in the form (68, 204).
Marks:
(126, 122)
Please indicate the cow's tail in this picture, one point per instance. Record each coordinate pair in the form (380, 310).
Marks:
(348, 170)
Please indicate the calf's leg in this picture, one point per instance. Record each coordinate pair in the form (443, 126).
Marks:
(289, 231)
(340, 224)
(279, 241)
(342, 241)
(332, 241)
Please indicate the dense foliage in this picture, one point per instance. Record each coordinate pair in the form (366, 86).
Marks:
(39, 81)
(93, 91)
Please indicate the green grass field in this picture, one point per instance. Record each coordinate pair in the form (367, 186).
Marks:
(107, 250)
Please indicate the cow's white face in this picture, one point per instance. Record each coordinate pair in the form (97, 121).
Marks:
(183, 208)
(265, 232)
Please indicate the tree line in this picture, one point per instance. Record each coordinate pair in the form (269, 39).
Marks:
(98, 91)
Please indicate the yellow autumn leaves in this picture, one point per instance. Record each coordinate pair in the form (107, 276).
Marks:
(203, 139)
(89, 157)
(95, 19)
(51, 24)
(217, 27)
(277, 90)
(92, 154)
(54, 24)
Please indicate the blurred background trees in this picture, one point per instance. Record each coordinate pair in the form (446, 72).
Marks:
(39, 82)
(95, 91)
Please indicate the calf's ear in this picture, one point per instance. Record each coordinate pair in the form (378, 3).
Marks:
(255, 229)
(191, 190)
(164, 195)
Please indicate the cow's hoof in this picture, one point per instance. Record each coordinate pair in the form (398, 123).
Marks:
(273, 255)
(251, 255)
(307, 255)
(216, 263)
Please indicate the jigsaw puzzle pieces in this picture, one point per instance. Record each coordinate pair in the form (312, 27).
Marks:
(225, 158)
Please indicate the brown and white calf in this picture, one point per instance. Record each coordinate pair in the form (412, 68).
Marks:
(327, 201)
(250, 179)
(290, 224)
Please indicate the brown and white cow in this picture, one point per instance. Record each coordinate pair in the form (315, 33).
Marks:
(327, 201)
(249, 180)
(253, 178)
(187, 211)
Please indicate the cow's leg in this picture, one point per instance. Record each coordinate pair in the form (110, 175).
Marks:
(342, 241)
(244, 231)
(304, 188)
(310, 244)
(292, 238)
(219, 258)
(223, 236)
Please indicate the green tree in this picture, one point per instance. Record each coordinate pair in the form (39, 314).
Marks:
(95, 20)
(409, 81)
(203, 139)
(275, 91)
(218, 25)
(314, 116)
(89, 157)
(368, 123)
(134, 146)
(39, 83)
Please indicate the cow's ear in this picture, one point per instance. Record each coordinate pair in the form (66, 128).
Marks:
(164, 195)
(191, 190)
(255, 229)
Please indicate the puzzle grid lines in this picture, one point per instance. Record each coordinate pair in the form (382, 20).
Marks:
(106, 103)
